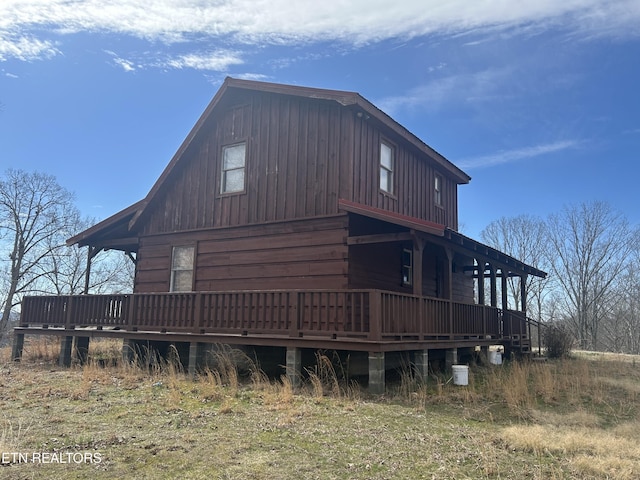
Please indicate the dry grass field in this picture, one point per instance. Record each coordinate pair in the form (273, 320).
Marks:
(576, 418)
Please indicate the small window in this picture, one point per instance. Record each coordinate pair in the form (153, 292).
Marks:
(407, 267)
(233, 165)
(386, 168)
(182, 269)
(437, 189)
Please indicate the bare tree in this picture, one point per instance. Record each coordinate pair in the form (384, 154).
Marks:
(524, 238)
(589, 247)
(36, 215)
(621, 326)
(64, 271)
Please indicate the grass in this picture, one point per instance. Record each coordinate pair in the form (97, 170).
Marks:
(575, 418)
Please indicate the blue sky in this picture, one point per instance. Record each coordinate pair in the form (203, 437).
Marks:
(537, 100)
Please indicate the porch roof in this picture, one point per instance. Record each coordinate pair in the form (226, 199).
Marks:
(111, 233)
(439, 234)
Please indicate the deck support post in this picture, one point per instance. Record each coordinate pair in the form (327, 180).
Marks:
(376, 373)
(421, 362)
(81, 349)
(484, 355)
(197, 354)
(294, 366)
(450, 358)
(17, 347)
(128, 350)
(66, 344)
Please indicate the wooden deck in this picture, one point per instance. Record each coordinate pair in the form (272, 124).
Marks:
(349, 319)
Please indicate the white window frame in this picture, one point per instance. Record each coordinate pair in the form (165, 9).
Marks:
(386, 171)
(226, 170)
(437, 189)
(176, 269)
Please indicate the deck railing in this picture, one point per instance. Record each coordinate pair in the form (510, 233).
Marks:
(366, 314)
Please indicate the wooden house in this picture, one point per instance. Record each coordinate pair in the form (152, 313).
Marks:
(295, 219)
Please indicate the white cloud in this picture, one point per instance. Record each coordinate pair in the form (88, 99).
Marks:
(472, 87)
(28, 27)
(218, 61)
(25, 48)
(509, 156)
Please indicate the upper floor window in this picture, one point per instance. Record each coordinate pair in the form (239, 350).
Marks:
(437, 190)
(182, 269)
(233, 168)
(386, 168)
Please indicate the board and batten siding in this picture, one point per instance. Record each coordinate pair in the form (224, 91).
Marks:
(305, 254)
(294, 166)
(302, 155)
(414, 178)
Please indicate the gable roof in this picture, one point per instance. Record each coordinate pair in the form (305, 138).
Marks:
(125, 221)
(344, 98)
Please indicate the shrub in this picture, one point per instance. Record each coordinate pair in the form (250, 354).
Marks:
(557, 340)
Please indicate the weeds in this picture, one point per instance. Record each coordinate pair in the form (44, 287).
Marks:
(570, 418)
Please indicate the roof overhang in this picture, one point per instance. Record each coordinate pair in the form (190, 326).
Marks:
(439, 234)
(111, 233)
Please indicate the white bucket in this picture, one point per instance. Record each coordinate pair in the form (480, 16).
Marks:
(495, 357)
(460, 374)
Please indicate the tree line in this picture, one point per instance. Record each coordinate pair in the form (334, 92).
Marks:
(592, 255)
(37, 216)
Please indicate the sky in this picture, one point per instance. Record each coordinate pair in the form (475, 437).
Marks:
(537, 100)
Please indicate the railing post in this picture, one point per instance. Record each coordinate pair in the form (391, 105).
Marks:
(450, 314)
(421, 319)
(375, 315)
(131, 312)
(198, 319)
(296, 321)
(68, 324)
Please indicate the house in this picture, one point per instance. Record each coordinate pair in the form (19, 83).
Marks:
(297, 218)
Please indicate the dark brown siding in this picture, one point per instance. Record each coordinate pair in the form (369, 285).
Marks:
(414, 174)
(302, 156)
(300, 254)
(299, 153)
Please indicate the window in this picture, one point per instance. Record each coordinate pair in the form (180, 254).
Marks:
(437, 189)
(407, 267)
(182, 269)
(386, 168)
(233, 163)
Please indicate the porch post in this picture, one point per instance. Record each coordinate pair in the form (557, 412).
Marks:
(18, 346)
(480, 282)
(448, 279)
(92, 252)
(294, 366)
(504, 287)
(494, 289)
(523, 293)
(418, 254)
(376, 373)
